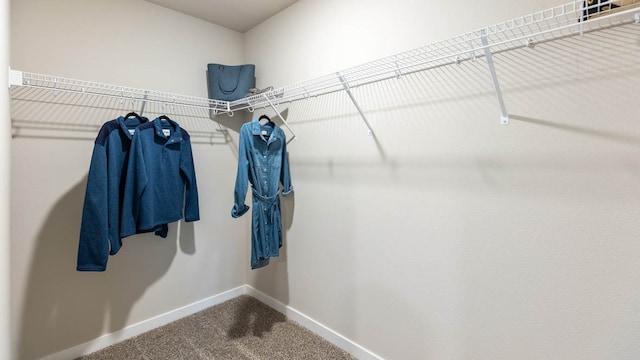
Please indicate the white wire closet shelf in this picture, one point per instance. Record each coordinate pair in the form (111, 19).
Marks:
(571, 19)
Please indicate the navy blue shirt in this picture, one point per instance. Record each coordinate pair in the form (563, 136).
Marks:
(160, 179)
(100, 228)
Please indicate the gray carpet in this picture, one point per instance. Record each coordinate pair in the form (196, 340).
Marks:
(241, 328)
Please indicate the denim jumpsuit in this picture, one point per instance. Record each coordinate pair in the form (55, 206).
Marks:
(262, 161)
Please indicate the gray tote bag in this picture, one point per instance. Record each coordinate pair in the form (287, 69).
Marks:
(230, 82)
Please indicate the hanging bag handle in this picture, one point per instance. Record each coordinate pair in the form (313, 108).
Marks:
(229, 78)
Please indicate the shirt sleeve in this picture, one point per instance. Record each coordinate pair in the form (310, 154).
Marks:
(187, 168)
(135, 184)
(242, 177)
(93, 249)
(285, 175)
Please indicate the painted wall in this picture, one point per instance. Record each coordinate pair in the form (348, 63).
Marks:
(448, 235)
(5, 120)
(136, 44)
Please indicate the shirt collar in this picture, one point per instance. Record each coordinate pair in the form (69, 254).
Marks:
(176, 134)
(127, 129)
(256, 128)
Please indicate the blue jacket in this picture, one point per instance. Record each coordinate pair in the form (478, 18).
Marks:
(160, 179)
(263, 162)
(100, 228)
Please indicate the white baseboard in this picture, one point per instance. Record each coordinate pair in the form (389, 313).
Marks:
(166, 318)
(321, 330)
(144, 326)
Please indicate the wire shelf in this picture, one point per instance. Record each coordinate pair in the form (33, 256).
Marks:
(571, 19)
(562, 21)
(66, 85)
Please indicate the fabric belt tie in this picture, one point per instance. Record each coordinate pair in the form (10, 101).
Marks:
(268, 203)
(268, 208)
(265, 199)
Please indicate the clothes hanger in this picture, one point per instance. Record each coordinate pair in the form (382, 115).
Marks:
(135, 115)
(167, 127)
(263, 117)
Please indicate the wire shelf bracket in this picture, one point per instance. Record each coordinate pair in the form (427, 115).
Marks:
(266, 97)
(504, 117)
(144, 101)
(15, 77)
(347, 89)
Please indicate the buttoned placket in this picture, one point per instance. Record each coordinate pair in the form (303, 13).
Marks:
(265, 155)
(171, 139)
(265, 177)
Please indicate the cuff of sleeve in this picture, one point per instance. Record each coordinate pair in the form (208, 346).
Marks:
(286, 193)
(91, 268)
(162, 230)
(235, 212)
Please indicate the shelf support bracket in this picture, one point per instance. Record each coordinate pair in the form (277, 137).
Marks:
(144, 101)
(504, 118)
(15, 77)
(353, 99)
(281, 118)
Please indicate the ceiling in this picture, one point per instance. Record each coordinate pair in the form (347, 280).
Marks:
(238, 15)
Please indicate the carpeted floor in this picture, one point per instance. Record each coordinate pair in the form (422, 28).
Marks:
(241, 328)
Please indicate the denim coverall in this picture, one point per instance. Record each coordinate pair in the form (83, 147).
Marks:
(262, 161)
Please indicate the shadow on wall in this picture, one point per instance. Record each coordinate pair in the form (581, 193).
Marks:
(84, 115)
(239, 118)
(619, 137)
(274, 278)
(63, 307)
